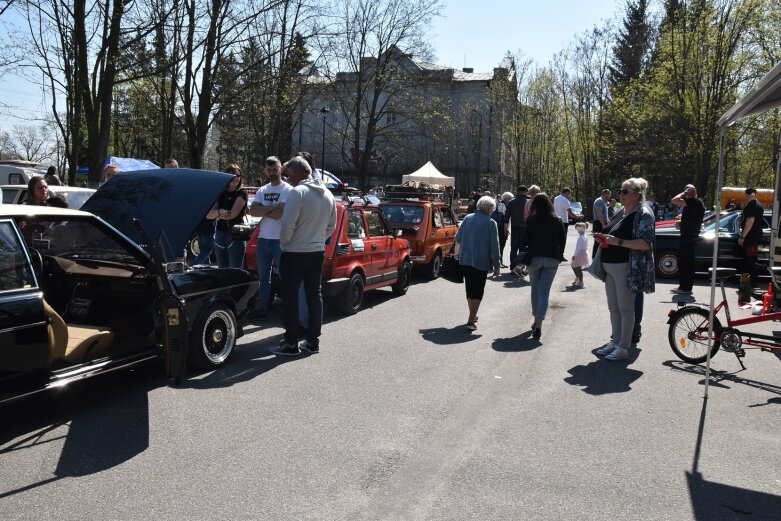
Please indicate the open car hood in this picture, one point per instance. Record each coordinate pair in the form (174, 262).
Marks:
(170, 200)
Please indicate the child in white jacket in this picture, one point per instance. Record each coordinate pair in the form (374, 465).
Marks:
(580, 258)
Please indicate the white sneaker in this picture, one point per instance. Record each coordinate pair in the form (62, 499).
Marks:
(579, 284)
(607, 348)
(619, 354)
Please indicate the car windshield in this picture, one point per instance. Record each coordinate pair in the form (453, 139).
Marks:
(724, 222)
(396, 213)
(75, 200)
(75, 239)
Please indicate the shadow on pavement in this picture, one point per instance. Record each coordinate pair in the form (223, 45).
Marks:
(604, 376)
(721, 379)
(444, 336)
(104, 422)
(516, 344)
(247, 362)
(711, 500)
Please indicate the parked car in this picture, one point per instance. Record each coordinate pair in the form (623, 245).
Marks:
(84, 293)
(363, 254)
(18, 172)
(729, 255)
(463, 208)
(577, 209)
(426, 221)
(74, 196)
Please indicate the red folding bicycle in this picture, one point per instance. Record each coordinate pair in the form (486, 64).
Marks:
(688, 333)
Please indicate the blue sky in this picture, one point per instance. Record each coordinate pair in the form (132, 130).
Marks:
(478, 33)
(471, 33)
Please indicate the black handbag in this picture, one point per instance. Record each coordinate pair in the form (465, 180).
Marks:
(451, 270)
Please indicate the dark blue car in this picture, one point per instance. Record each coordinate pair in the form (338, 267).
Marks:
(729, 256)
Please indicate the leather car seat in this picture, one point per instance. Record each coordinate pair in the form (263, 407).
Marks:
(74, 342)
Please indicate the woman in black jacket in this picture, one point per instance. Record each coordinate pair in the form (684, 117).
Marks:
(544, 236)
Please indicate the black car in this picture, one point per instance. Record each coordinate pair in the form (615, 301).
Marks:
(86, 292)
(729, 256)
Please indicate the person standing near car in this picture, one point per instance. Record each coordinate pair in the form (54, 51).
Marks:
(268, 205)
(308, 218)
(515, 216)
(751, 224)
(229, 210)
(693, 211)
(600, 216)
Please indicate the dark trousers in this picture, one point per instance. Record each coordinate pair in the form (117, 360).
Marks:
(294, 269)
(749, 264)
(597, 228)
(639, 301)
(686, 263)
(516, 245)
(502, 243)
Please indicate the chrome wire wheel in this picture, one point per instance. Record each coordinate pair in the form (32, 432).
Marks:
(219, 336)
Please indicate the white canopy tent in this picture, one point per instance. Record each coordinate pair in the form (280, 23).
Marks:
(428, 173)
(765, 95)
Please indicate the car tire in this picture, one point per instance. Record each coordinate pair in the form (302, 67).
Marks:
(402, 283)
(213, 338)
(667, 264)
(433, 267)
(352, 300)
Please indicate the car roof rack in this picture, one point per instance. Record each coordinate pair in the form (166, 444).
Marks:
(350, 195)
(415, 190)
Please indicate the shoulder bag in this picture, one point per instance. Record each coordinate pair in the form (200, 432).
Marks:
(451, 270)
(596, 267)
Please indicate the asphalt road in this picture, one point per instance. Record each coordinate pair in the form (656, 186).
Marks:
(406, 415)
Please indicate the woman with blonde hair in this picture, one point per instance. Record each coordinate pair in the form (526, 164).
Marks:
(628, 260)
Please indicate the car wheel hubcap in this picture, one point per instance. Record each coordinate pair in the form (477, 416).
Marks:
(219, 336)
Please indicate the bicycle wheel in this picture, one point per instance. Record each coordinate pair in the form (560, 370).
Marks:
(688, 335)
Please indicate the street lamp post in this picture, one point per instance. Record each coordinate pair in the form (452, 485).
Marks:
(323, 112)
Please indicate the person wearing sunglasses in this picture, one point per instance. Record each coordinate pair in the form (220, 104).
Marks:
(229, 210)
(627, 257)
(690, 225)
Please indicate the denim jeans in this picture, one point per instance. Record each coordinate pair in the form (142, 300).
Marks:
(205, 242)
(542, 270)
(294, 269)
(230, 253)
(516, 245)
(267, 250)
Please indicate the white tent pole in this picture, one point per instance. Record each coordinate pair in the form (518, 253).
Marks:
(719, 182)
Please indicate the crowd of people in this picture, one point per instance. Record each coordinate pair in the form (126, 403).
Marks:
(537, 227)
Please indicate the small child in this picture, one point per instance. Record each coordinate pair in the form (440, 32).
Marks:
(580, 258)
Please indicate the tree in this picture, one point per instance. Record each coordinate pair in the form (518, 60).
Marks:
(368, 41)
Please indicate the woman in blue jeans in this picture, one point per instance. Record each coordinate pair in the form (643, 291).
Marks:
(229, 210)
(544, 237)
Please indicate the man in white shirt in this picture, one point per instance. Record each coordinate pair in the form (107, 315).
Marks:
(268, 204)
(561, 207)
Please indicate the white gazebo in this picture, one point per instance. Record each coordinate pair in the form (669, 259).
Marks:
(428, 173)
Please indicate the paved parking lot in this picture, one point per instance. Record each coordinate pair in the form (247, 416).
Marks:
(407, 415)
